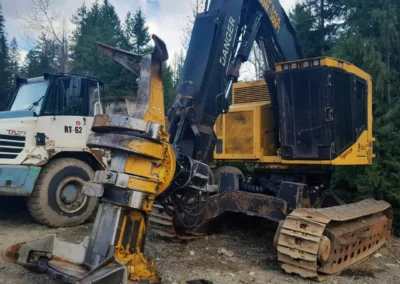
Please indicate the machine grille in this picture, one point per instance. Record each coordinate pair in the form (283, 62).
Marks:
(361, 106)
(11, 146)
(251, 92)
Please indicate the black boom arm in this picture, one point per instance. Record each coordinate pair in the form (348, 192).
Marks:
(222, 39)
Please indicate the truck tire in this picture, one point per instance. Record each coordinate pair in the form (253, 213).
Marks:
(57, 200)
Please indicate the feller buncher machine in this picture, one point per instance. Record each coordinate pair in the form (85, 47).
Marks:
(311, 114)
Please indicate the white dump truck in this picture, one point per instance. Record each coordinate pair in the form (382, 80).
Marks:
(43, 153)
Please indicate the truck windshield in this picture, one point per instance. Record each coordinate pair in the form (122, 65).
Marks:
(30, 97)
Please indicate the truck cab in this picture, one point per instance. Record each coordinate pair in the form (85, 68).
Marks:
(43, 152)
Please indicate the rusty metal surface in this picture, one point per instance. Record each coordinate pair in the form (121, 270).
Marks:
(162, 225)
(99, 254)
(11, 254)
(129, 60)
(142, 66)
(143, 98)
(124, 142)
(98, 154)
(353, 242)
(160, 52)
(259, 205)
(350, 211)
(67, 268)
(314, 243)
(120, 121)
(110, 271)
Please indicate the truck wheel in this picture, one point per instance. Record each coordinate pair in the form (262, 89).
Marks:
(57, 199)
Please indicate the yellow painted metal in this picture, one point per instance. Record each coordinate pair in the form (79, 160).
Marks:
(346, 66)
(326, 61)
(143, 184)
(246, 133)
(246, 130)
(155, 111)
(153, 170)
(143, 167)
(250, 92)
(129, 250)
(240, 133)
(147, 148)
(150, 171)
(272, 12)
(150, 175)
(168, 170)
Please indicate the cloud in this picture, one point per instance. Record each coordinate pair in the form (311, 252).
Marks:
(166, 18)
(14, 10)
(170, 20)
(288, 4)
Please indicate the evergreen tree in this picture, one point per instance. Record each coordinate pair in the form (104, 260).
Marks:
(178, 61)
(31, 65)
(47, 51)
(41, 59)
(317, 24)
(303, 23)
(137, 32)
(172, 74)
(197, 7)
(169, 86)
(100, 23)
(14, 63)
(44, 16)
(375, 47)
(4, 59)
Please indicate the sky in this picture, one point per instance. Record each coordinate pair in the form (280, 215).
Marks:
(166, 18)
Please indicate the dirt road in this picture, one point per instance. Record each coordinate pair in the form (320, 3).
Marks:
(253, 259)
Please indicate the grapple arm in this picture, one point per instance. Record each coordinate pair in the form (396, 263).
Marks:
(143, 165)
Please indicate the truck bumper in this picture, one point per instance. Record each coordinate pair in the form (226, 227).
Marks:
(17, 180)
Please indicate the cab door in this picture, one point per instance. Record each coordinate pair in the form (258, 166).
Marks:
(94, 102)
(63, 119)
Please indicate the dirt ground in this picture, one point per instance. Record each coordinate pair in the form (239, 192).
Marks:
(253, 260)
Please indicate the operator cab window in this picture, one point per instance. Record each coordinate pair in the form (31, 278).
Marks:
(30, 97)
(71, 102)
(67, 97)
